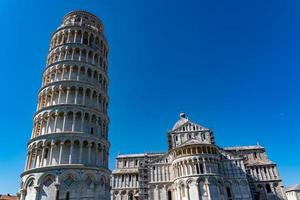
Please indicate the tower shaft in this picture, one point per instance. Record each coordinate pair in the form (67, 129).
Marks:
(67, 155)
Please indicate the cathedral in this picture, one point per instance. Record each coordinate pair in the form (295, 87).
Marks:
(196, 168)
(67, 153)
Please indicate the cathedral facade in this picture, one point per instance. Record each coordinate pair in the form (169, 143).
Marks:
(67, 154)
(196, 168)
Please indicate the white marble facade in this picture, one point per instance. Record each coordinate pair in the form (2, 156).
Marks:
(195, 168)
(67, 155)
(293, 192)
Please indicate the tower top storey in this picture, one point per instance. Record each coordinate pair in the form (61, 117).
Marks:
(83, 18)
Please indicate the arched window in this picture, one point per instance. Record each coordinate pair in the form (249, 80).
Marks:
(197, 169)
(130, 196)
(268, 188)
(85, 38)
(57, 195)
(228, 191)
(169, 195)
(67, 196)
(255, 155)
(201, 168)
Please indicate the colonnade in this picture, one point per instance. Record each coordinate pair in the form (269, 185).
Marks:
(74, 53)
(125, 181)
(124, 194)
(75, 72)
(188, 150)
(160, 173)
(263, 173)
(80, 36)
(195, 166)
(69, 121)
(79, 95)
(57, 152)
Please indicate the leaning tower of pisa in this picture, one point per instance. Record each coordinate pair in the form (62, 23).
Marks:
(67, 155)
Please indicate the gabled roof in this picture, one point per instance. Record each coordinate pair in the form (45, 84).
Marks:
(241, 148)
(184, 121)
(191, 142)
(293, 188)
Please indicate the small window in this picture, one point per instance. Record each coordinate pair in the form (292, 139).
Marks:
(197, 169)
(268, 188)
(153, 168)
(228, 192)
(169, 195)
(46, 153)
(57, 195)
(122, 178)
(201, 168)
(130, 196)
(137, 177)
(67, 196)
(136, 162)
(92, 131)
(190, 136)
(176, 138)
(125, 163)
(255, 155)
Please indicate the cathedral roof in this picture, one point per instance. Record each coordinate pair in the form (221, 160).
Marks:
(183, 120)
(139, 155)
(241, 148)
(293, 188)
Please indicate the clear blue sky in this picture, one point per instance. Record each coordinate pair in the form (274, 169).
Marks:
(232, 66)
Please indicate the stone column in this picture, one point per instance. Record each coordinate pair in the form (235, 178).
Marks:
(35, 158)
(71, 153)
(80, 152)
(51, 153)
(73, 122)
(76, 95)
(89, 153)
(55, 122)
(29, 160)
(23, 194)
(37, 192)
(67, 96)
(187, 192)
(43, 155)
(64, 122)
(59, 95)
(60, 152)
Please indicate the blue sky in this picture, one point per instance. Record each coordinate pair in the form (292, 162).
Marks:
(232, 66)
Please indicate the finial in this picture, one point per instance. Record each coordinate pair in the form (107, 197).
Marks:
(182, 115)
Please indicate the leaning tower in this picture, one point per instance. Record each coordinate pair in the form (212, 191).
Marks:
(67, 155)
